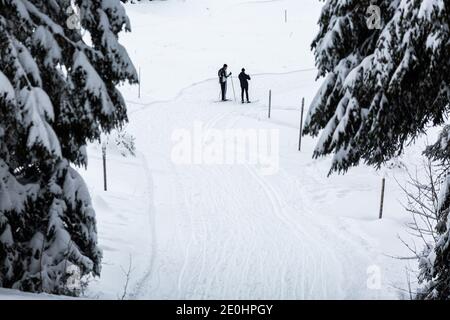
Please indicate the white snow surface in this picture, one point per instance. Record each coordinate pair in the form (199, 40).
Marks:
(226, 231)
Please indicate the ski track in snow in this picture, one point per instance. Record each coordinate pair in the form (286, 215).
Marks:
(151, 210)
(226, 232)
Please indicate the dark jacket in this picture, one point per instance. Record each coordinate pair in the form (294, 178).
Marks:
(223, 75)
(243, 78)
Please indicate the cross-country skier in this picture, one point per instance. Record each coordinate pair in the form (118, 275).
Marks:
(223, 81)
(243, 78)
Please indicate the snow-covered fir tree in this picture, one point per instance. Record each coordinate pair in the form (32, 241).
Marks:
(383, 86)
(435, 262)
(57, 93)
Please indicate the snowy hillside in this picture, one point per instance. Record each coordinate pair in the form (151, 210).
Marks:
(233, 230)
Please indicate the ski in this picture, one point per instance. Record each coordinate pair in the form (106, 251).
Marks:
(256, 101)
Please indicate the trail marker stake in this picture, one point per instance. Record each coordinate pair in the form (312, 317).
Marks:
(383, 184)
(270, 102)
(105, 185)
(301, 126)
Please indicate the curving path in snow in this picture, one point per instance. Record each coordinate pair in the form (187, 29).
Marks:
(228, 232)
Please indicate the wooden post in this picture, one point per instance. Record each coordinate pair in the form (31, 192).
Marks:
(301, 126)
(105, 185)
(270, 102)
(383, 183)
(139, 92)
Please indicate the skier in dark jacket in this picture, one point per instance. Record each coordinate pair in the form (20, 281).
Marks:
(223, 81)
(243, 78)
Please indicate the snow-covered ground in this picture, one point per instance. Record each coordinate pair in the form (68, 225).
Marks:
(227, 231)
(211, 231)
(7, 294)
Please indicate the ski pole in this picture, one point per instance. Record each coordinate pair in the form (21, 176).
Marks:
(234, 92)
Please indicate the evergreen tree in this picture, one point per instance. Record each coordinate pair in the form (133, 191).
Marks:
(57, 93)
(435, 262)
(383, 87)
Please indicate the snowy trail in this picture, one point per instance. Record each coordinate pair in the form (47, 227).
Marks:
(226, 231)
(229, 232)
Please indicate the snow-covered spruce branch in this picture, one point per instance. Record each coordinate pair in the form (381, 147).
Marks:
(383, 87)
(64, 90)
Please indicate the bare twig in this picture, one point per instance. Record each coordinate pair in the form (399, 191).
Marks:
(128, 277)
